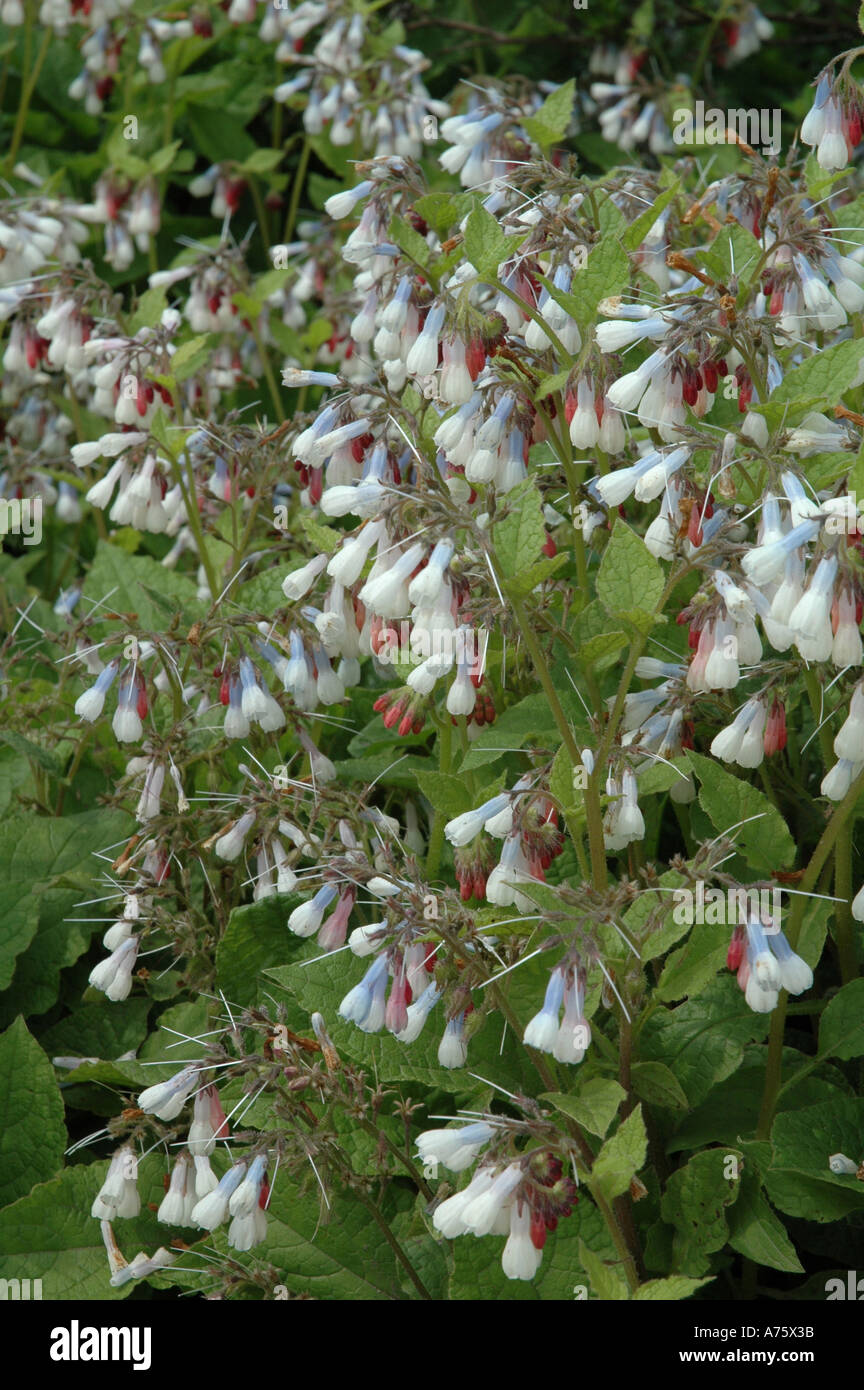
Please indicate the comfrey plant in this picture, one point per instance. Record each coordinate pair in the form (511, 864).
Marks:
(451, 557)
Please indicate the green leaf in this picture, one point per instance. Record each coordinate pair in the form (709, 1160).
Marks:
(42, 757)
(409, 240)
(638, 230)
(162, 160)
(190, 1019)
(383, 770)
(561, 779)
(799, 1181)
(605, 273)
(643, 21)
(324, 538)
(569, 797)
(611, 221)
(262, 162)
(764, 841)
(676, 1287)
(689, 969)
(629, 577)
(526, 582)
(819, 182)
(818, 382)
(731, 1108)
(702, 1040)
(218, 135)
(657, 1084)
(319, 189)
(317, 334)
(383, 41)
(99, 1030)
(132, 580)
(256, 938)
(695, 1203)
(841, 1028)
(529, 719)
(333, 1251)
(521, 534)
(449, 796)
(247, 305)
(607, 1282)
(34, 852)
(32, 1133)
(50, 1234)
(591, 633)
(602, 645)
(443, 211)
(52, 866)
(659, 777)
(734, 252)
(562, 1276)
(621, 1156)
(855, 481)
(148, 310)
(14, 772)
(651, 919)
(337, 158)
(594, 1108)
(191, 356)
(756, 1232)
(271, 282)
(556, 382)
(171, 441)
(486, 245)
(550, 123)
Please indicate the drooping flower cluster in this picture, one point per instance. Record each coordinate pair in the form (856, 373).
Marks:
(523, 1199)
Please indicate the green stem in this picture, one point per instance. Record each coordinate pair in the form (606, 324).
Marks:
(814, 695)
(578, 538)
(404, 1159)
(436, 838)
(269, 377)
(190, 502)
(395, 1246)
(567, 358)
(73, 770)
(261, 213)
(592, 801)
(541, 667)
(844, 931)
(596, 843)
(27, 90)
(636, 649)
(296, 190)
(247, 529)
(705, 48)
(576, 837)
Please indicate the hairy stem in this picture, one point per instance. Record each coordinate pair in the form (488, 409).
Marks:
(395, 1246)
(541, 667)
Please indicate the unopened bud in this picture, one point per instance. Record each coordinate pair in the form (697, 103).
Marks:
(331, 1056)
